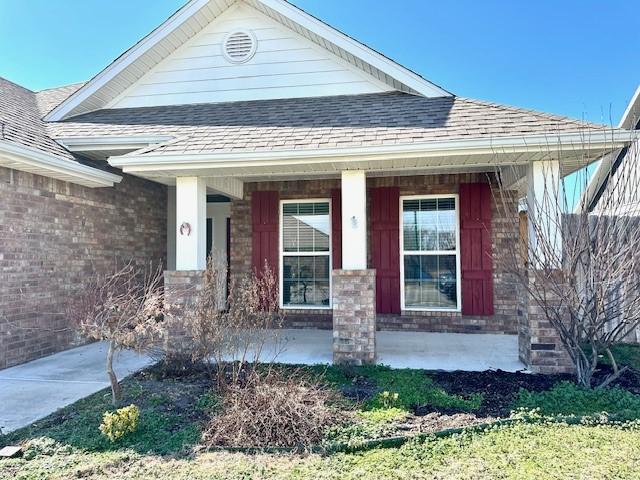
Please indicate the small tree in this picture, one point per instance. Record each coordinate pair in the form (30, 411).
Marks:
(231, 323)
(124, 307)
(584, 269)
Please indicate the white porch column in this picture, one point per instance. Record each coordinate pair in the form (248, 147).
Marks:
(191, 223)
(545, 204)
(354, 220)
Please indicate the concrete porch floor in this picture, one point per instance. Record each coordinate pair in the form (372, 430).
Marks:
(429, 351)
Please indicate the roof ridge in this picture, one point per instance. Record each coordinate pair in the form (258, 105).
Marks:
(60, 87)
(554, 116)
(17, 84)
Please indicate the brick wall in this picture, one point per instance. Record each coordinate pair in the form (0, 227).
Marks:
(539, 343)
(504, 231)
(52, 235)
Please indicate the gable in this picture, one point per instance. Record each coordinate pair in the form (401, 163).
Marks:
(373, 71)
(284, 65)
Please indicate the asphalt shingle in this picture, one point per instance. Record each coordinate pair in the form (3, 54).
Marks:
(20, 120)
(392, 118)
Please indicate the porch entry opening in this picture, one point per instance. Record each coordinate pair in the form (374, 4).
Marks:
(218, 239)
(305, 253)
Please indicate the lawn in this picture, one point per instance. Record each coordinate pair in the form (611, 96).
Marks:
(440, 425)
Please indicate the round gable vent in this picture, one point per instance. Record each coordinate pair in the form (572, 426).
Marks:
(239, 46)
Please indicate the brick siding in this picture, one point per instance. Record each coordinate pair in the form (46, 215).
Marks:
(52, 235)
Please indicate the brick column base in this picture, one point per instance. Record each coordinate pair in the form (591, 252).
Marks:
(539, 343)
(354, 316)
(180, 290)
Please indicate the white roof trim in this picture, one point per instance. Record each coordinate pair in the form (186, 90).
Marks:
(632, 112)
(128, 142)
(551, 142)
(19, 157)
(296, 15)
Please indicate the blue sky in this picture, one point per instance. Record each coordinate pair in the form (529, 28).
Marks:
(577, 58)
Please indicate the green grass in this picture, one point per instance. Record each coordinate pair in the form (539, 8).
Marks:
(414, 387)
(566, 398)
(625, 354)
(371, 424)
(521, 451)
(162, 429)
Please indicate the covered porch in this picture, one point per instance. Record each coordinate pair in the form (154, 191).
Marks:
(390, 252)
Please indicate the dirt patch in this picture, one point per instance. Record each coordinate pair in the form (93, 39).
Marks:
(361, 389)
(499, 388)
(629, 380)
(435, 421)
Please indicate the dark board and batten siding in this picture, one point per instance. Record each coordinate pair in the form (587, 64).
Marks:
(475, 249)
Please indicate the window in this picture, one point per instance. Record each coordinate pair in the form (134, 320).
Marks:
(430, 263)
(305, 241)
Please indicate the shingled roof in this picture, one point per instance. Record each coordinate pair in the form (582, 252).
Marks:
(392, 118)
(20, 120)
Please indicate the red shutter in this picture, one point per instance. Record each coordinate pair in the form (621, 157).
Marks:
(475, 249)
(385, 244)
(336, 228)
(264, 232)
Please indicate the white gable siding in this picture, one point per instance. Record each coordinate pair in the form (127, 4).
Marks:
(621, 195)
(285, 65)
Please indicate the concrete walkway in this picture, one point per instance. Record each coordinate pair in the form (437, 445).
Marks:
(35, 389)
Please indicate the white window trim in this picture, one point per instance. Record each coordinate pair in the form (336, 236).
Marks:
(403, 307)
(282, 254)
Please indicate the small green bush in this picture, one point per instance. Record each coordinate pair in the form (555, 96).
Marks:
(388, 399)
(567, 398)
(44, 446)
(123, 421)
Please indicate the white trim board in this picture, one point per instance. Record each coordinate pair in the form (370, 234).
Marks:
(19, 157)
(99, 143)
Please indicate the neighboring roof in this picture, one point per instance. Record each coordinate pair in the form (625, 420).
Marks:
(392, 118)
(611, 162)
(190, 19)
(26, 145)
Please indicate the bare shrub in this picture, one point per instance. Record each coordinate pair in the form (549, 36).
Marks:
(271, 410)
(230, 325)
(583, 268)
(124, 307)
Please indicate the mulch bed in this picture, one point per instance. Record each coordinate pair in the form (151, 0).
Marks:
(498, 387)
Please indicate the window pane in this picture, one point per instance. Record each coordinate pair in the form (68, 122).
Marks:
(430, 281)
(305, 280)
(429, 224)
(446, 224)
(305, 227)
